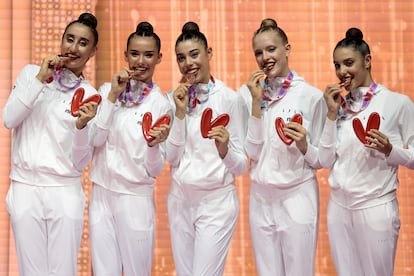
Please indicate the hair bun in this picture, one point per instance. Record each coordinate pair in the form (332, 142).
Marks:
(268, 23)
(88, 19)
(190, 26)
(145, 28)
(354, 34)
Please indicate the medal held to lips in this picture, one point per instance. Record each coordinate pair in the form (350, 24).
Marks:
(78, 101)
(361, 132)
(147, 124)
(280, 125)
(206, 124)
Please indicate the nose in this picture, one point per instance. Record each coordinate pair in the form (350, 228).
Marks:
(140, 59)
(73, 47)
(187, 60)
(266, 55)
(342, 70)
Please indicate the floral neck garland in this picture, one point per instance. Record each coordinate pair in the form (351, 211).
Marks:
(199, 89)
(345, 108)
(62, 76)
(137, 94)
(269, 86)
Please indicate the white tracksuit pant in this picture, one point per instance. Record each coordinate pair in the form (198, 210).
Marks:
(364, 241)
(201, 232)
(47, 225)
(122, 230)
(284, 229)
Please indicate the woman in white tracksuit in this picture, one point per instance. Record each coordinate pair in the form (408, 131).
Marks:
(202, 202)
(284, 199)
(45, 199)
(363, 216)
(124, 164)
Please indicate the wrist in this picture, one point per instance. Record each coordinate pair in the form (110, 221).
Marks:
(387, 154)
(180, 114)
(80, 125)
(112, 97)
(332, 115)
(223, 152)
(41, 78)
(257, 101)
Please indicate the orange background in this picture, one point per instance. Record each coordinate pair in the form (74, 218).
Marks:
(31, 30)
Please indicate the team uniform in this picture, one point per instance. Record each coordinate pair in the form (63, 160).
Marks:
(122, 210)
(363, 216)
(202, 203)
(284, 198)
(45, 199)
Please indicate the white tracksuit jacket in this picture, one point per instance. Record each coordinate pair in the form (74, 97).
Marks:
(194, 160)
(361, 177)
(43, 131)
(122, 160)
(272, 161)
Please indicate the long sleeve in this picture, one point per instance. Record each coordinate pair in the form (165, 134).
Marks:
(155, 156)
(154, 159)
(327, 145)
(94, 134)
(175, 143)
(314, 134)
(255, 138)
(81, 150)
(236, 158)
(23, 97)
(101, 124)
(404, 154)
(255, 127)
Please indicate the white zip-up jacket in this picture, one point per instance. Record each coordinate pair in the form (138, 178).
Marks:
(122, 161)
(272, 161)
(194, 161)
(43, 130)
(361, 177)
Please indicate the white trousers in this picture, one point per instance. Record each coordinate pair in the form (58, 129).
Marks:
(363, 242)
(122, 231)
(284, 229)
(201, 232)
(47, 226)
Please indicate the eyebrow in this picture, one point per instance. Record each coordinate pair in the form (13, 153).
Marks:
(190, 52)
(137, 51)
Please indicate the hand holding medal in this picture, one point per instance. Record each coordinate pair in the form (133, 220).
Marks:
(118, 84)
(332, 96)
(253, 83)
(181, 97)
(49, 65)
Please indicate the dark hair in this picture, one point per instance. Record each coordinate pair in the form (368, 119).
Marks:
(86, 19)
(190, 31)
(353, 38)
(145, 29)
(270, 24)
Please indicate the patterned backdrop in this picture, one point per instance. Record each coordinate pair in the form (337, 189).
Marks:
(32, 29)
